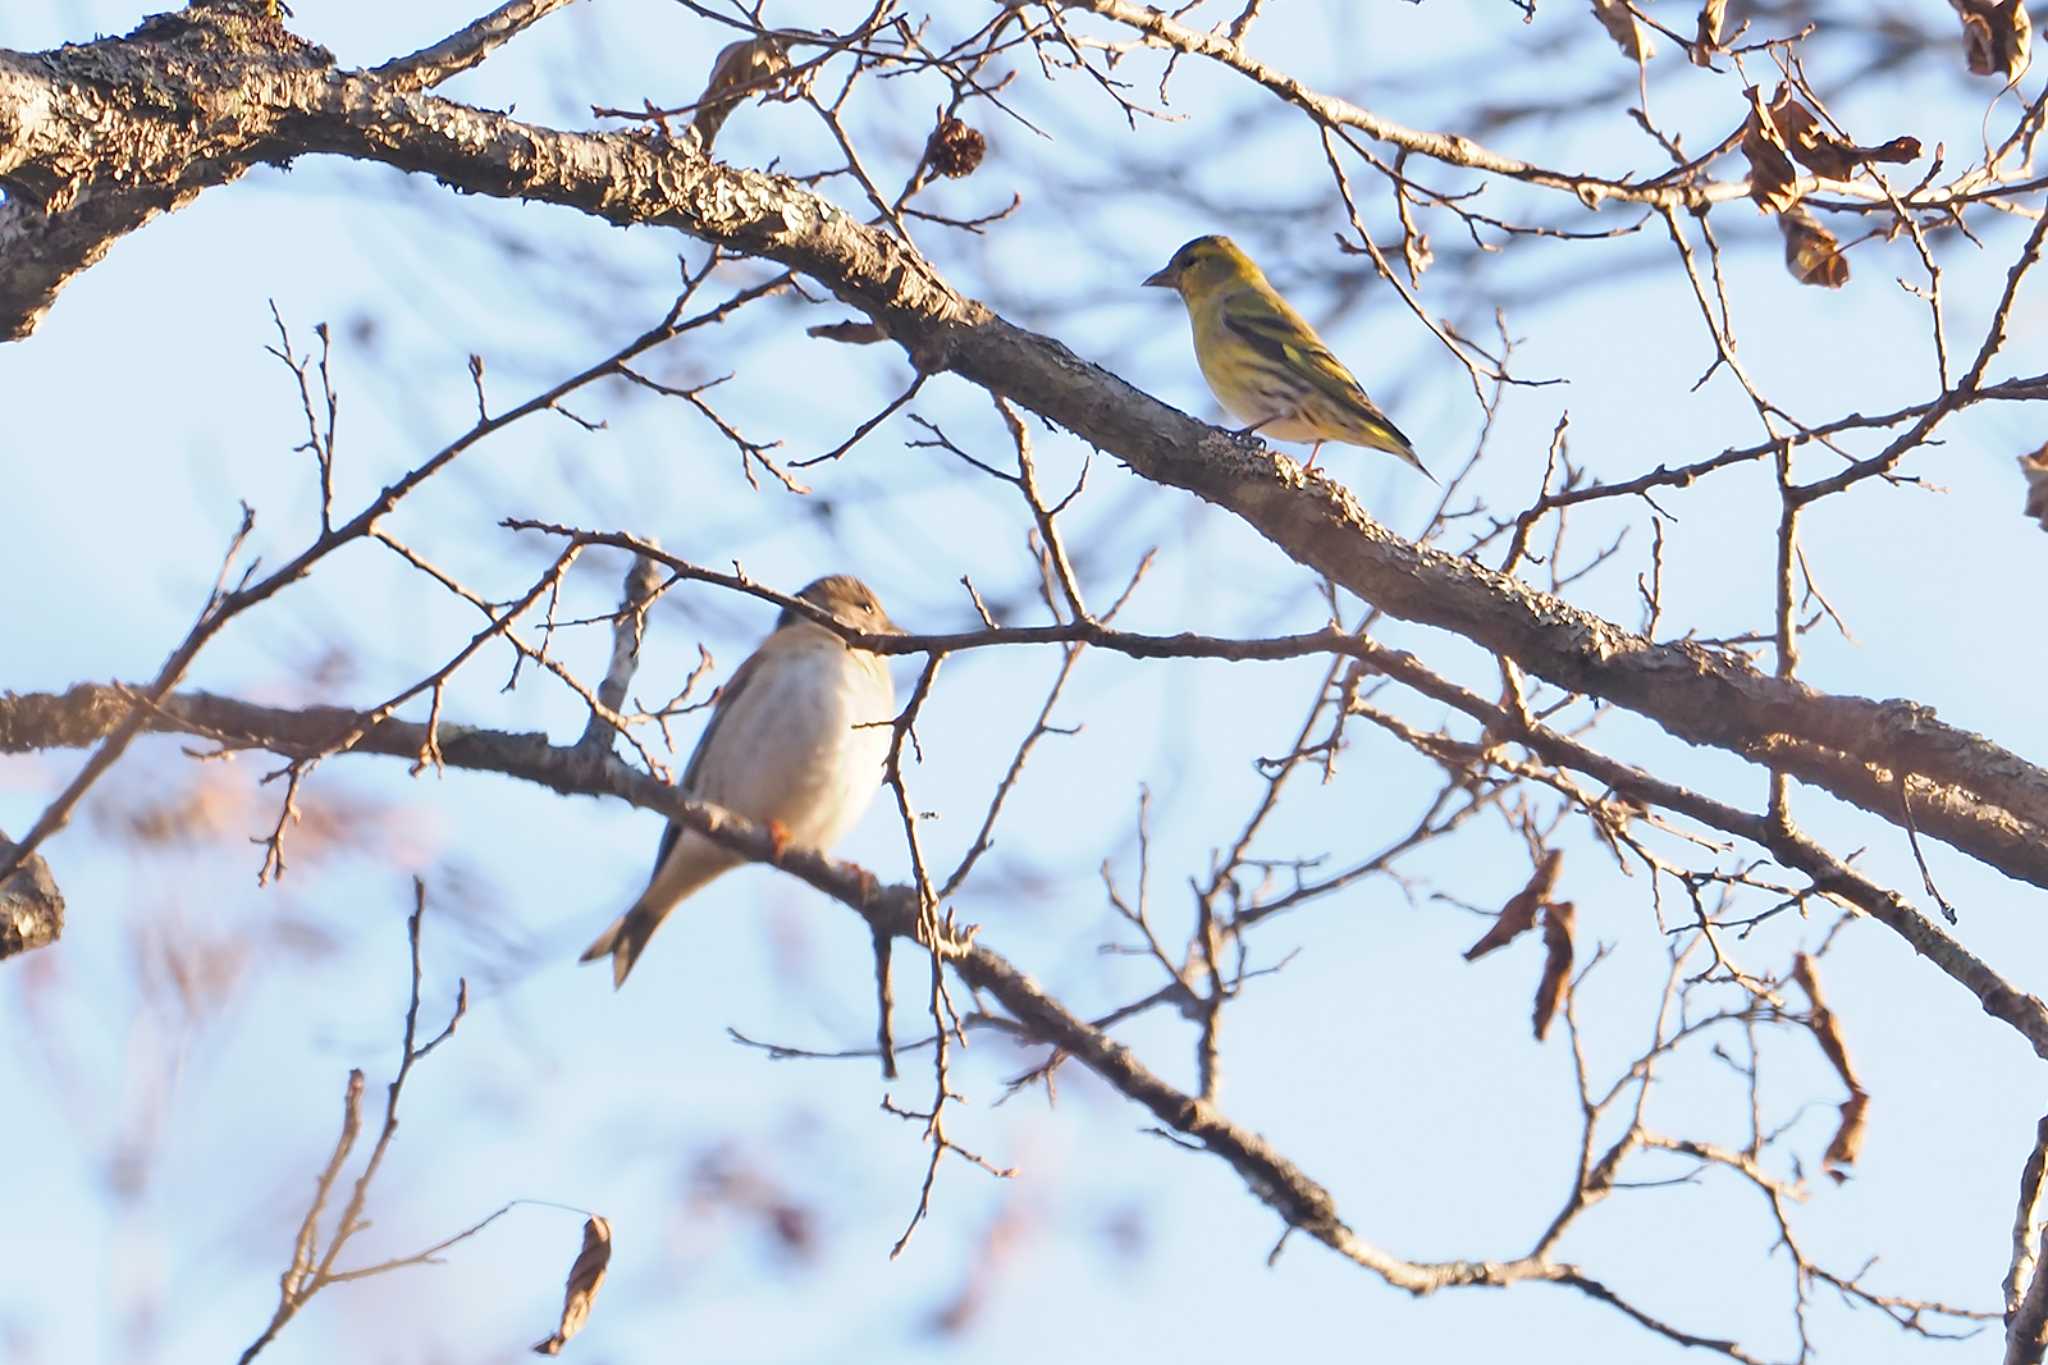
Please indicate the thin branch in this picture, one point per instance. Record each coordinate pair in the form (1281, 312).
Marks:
(466, 47)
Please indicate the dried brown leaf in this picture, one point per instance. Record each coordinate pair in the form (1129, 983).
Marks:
(1557, 965)
(1713, 19)
(2035, 467)
(1827, 1031)
(1519, 914)
(1849, 1137)
(1773, 179)
(1811, 252)
(747, 67)
(1819, 150)
(1515, 919)
(1900, 149)
(584, 1278)
(1623, 27)
(1997, 37)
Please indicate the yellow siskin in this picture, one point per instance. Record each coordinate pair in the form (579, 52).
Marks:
(1263, 361)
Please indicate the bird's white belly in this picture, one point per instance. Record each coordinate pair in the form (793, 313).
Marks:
(799, 751)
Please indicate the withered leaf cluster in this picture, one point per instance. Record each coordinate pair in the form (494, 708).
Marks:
(1827, 1031)
(1519, 916)
(1785, 130)
(1781, 133)
(581, 1291)
(1997, 36)
(2035, 467)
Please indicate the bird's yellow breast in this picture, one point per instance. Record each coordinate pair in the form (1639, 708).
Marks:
(1250, 392)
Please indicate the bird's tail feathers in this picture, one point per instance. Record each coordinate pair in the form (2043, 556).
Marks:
(624, 941)
(685, 867)
(1361, 423)
(1386, 436)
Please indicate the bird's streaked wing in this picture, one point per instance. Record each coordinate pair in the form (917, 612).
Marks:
(1282, 337)
(1282, 340)
(727, 695)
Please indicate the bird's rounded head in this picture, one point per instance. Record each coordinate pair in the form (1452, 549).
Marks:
(1204, 263)
(850, 600)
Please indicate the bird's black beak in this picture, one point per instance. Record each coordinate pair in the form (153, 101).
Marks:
(1166, 277)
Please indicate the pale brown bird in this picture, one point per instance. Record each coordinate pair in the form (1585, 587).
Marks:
(796, 742)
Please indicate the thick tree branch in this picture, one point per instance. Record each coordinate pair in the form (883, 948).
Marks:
(97, 139)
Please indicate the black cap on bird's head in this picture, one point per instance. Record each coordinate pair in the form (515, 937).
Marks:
(1203, 256)
(848, 599)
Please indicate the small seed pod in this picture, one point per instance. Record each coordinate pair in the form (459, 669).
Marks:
(956, 149)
